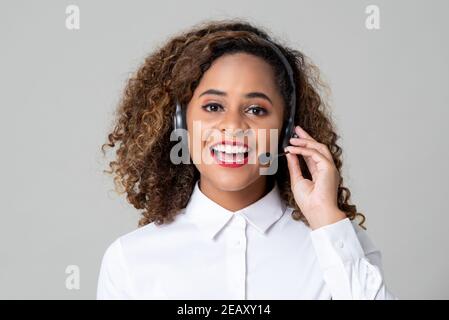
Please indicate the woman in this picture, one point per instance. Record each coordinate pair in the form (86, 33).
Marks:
(216, 226)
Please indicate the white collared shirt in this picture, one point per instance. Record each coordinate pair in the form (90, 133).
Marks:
(258, 252)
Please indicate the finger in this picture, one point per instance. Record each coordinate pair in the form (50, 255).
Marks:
(294, 168)
(321, 161)
(308, 143)
(302, 133)
(311, 165)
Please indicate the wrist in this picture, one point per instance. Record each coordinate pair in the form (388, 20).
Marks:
(326, 217)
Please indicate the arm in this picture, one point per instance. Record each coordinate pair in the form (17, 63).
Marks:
(351, 264)
(113, 280)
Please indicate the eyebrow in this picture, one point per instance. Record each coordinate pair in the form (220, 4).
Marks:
(248, 95)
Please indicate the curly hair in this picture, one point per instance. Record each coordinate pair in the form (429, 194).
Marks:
(143, 120)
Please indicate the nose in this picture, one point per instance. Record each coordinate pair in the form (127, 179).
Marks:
(233, 123)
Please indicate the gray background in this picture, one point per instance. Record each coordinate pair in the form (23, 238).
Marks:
(59, 89)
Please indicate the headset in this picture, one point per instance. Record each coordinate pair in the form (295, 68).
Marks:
(179, 118)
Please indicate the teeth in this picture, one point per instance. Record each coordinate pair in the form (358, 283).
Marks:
(231, 158)
(229, 148)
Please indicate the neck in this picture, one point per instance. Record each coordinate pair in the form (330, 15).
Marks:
(238, 199)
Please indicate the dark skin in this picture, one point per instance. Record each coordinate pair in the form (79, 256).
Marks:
(235, 75)
(230, 113)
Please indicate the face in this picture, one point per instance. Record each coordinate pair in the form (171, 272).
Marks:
(238, 108)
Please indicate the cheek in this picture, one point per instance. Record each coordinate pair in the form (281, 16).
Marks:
(201, 134)
(197, 119)
(270, 132)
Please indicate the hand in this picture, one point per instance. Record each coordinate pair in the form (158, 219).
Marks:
(317, 198)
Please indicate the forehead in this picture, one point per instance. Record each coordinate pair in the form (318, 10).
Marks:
(239, 73)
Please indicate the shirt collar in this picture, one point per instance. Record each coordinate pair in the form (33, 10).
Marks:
(210, 217)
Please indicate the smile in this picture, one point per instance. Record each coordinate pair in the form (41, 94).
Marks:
(230, 154)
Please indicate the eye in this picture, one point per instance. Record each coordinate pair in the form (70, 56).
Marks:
(257, 110)
(212, 107)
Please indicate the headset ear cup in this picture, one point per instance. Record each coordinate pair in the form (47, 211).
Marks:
(179, 119)
(293, 131)
(176, 120)
(286, 135)
(179, 122)
(183, 124)
(285, 138)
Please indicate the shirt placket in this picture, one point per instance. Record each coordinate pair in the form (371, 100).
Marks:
(236, 262)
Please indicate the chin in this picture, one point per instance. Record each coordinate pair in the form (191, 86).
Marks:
(232, 182)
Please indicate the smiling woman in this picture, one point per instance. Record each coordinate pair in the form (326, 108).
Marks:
(217, 229)
(244, 80)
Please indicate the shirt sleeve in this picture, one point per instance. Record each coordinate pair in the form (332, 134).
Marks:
(113, 280)
(350, 262)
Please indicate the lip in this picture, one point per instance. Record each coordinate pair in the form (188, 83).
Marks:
(230, 164)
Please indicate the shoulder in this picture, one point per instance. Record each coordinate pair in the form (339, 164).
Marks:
(295, 228)
(148, 238)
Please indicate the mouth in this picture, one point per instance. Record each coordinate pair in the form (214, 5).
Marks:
(231, 154)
